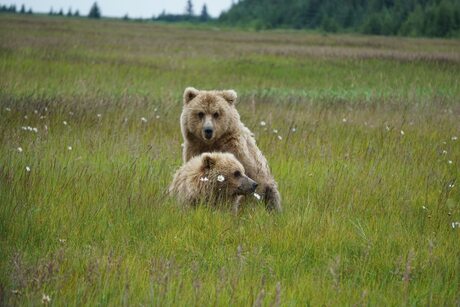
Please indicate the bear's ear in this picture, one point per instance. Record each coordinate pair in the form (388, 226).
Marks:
(208, 162)
(230, 96)
(189, 94)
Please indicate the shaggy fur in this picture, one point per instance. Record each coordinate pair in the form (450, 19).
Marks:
(198, 180)
(216, 110)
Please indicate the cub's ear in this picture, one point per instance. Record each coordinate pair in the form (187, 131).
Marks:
(208, 161)
(189, 94)
(230, 96)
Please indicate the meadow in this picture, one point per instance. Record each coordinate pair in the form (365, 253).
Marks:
(361, 134)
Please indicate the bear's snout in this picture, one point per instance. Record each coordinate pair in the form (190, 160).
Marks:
(247, 186)
(253, 185)
(208, 133)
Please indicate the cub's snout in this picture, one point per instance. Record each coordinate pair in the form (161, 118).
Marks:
(247, 186)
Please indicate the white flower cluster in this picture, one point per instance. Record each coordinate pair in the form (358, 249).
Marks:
(29, 128)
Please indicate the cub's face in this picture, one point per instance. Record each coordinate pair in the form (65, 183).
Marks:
(227, 174)
(208, 115)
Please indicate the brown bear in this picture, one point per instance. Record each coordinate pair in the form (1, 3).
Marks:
(213, 178)
(210, 122)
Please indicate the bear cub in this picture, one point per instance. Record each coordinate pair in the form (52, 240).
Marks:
(213, 178)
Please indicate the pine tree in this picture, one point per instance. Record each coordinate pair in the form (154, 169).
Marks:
(61, 12)
(69, 12)
(23, 9)
(189, 8)
(204, 16)
(77, 13)
(94, 12)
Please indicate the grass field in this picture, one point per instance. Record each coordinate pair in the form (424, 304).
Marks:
(366, 154)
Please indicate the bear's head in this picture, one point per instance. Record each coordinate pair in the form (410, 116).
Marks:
(225, 175)
(207, 115)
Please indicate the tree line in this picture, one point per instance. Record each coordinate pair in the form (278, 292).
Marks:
(433, 18)
(12, 9)
(439, 18)
(95, 12)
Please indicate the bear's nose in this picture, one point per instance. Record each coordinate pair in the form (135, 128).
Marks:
(208, 133)
(255, 185)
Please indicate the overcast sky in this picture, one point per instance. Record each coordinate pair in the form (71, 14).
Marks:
(118, 8)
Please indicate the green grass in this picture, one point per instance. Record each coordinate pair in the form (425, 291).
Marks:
(368, 190)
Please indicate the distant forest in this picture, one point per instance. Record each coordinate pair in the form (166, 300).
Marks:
(440, 18)
(431, 18)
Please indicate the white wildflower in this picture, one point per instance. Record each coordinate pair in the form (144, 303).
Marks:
(27, 169)
(8, 109)
(62, 241)
(143, 119)
(444, 152)
(262, 123)
(26, 117)
(46, 127)
(20, 149)
(293, 129)
(450, 162)
(29, 128)
(280, 137)
(204, 179)
(257, 196)
(46, 299)
(35, 111)
(156, 109)
(402, 132)
(69, 147)
(387, 128)
(24, 128)
(424, 208)
(455, 225)
(454, 138)
(70, 113)
(35, 130)
(64, 122)
(275, 131)
(157, 117)
(344, 120)
(99, 115)
(42, 117)
(182, 145)
(220, 178)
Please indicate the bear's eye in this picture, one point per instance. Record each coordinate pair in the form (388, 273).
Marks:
(237, 174)
(201, 115)
(216, 115)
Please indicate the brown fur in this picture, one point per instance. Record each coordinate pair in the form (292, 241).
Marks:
(216, 109)
(197, 180)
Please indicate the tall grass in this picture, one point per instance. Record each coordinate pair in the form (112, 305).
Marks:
(366, 154)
